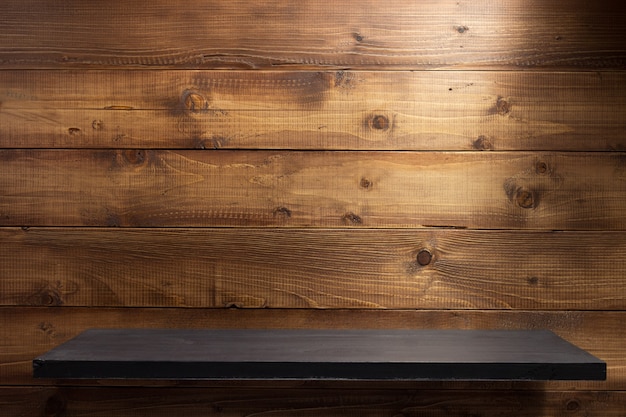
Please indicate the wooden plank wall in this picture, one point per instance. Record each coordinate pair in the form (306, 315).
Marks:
(312, 164)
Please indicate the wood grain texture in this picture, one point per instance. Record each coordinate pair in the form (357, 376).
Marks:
(510, 75)
(304, 268)
(272, 402)
(330, 189)
(30, 331)
(263, 34)
(441, 110)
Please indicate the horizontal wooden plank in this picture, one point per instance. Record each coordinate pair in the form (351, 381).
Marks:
(304, 268)
(329, 189)
(196, 402)
(263, 34)
(28, 332)
(450, 110)
(307, 355)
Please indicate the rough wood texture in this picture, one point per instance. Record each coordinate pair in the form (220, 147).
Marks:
(515, 76)
(272, 402)
(264, 34)
(452, 110)
(303, 268)
(233, 188)
(28, 332)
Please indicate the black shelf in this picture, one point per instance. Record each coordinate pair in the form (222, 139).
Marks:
(319, 354)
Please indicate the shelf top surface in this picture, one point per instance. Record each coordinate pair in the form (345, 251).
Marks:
(355, 354)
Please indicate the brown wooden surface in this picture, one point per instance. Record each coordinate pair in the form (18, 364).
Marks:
(264, 34)
(447, 110)
(233, 188)
(30, 331)
(303, 268)
(156, 402)
(544, 82)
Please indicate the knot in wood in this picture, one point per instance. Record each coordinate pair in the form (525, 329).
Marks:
(503, 107)
(424, 257)
(74, 131)
(283, 212)
(344, 79)
(50, 299)
(55, 406)
(135, 156)
(195, 102)
(379, 122)
(483, 144)
(46, 297)
(525, 198)
(366, 184)
(541, 167)
(572, 405)
(352, 219)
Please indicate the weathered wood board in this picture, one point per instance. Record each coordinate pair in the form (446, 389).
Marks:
(302, 402)
(484, 190)
(359, 110)
(238, 34)
(311, 165)
(304, 268)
